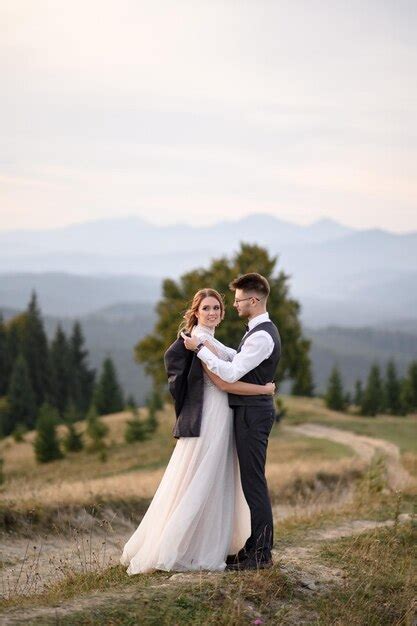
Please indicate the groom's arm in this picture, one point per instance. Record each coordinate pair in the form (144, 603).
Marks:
(256, 349)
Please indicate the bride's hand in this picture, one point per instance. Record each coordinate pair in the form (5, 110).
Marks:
(270, 389)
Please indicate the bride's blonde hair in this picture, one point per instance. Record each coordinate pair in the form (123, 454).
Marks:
(190, 318)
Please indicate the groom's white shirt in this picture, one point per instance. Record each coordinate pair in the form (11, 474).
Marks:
(256, 349)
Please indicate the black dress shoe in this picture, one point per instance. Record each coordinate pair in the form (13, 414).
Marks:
(251, 563)
(232, 559)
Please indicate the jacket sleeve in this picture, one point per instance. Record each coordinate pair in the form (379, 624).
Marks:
(177, 364)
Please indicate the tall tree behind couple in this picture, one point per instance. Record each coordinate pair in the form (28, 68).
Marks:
(199, 514)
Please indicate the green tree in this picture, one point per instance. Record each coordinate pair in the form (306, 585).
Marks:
(358, 393)
(130, 402)
(4, 369)
(35, 350)
(60, 369)
(408, 390)
(96, 430)
(21, 396)
(155, 400)
(284, 310)
(412, 385)
(392, 389)
(151, 422)
(82, 377)
(334, 395)
(108, 396)
(73, 440)
(46, 444)
(14, 334)
(136, 429)
(372, 401)
(303, 383)
(19, 433)
(6, 424)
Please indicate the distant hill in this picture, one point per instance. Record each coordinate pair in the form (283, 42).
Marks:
(69, 294)
(341, 276)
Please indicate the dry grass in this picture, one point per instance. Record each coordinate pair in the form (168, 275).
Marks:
(316, 485)
(134, 471)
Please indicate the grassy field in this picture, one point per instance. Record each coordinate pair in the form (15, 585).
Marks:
(400, 430)
(343, 549)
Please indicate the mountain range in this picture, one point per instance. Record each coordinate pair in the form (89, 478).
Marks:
(340, 275)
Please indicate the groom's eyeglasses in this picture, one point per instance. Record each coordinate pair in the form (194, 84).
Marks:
(243, 299)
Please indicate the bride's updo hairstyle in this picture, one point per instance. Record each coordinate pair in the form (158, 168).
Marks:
(190, 318)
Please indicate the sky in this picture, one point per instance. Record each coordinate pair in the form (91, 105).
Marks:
(196, 110)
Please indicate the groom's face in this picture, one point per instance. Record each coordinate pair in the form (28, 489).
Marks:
(243, 302)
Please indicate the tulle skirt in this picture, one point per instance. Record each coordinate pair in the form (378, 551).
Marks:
(199, 513)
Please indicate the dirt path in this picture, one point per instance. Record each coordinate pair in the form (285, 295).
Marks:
(300, 563)
(365, 447)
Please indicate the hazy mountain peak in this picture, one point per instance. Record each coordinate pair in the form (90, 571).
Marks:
(328, 227)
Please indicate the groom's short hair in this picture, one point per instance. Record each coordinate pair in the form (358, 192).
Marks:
(251, 282)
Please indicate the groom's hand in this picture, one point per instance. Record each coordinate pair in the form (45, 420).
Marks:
(190, 343)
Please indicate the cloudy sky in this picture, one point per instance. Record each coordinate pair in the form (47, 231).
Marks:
(201, 109)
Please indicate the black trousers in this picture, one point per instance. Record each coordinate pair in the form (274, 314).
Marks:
(252, 426)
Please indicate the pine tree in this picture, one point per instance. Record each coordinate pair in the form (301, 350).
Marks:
(108, 396)
(34, 346)
(372, 396)
(392, 389)
(408, 390)
(130, 402)
(334, 394)
(4, 370)
(96, 430)
(303, 382)
(136, 429)
(154, 400)
(82, 377)
(73, 441)
(60, 369)
(406, 396)
(6, 424)
(19, 433)
(46, 443)
(35, 350)
(151, 421)
(14, 334)
(412, 381)
(358, 393)
(21, 396)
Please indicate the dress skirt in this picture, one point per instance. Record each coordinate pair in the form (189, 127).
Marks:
(199, 514)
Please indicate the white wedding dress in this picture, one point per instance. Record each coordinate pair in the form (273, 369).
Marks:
(199, 514)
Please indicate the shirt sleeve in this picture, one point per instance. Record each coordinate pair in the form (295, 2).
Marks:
(228, 354)
(256, 349)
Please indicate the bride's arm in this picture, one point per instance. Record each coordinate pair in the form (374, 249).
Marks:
(239, 387)
(205, 338)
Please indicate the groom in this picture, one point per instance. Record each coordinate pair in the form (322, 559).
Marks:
(255, 361)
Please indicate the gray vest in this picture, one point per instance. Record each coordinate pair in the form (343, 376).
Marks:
(263, 373)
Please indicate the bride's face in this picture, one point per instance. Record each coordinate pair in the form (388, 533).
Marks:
(209, 312)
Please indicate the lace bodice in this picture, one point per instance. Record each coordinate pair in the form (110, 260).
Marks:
(204, 333)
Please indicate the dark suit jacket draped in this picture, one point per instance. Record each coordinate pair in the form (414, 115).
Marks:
(186, 385)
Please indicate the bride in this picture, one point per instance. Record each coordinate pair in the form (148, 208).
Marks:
(199, 514)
